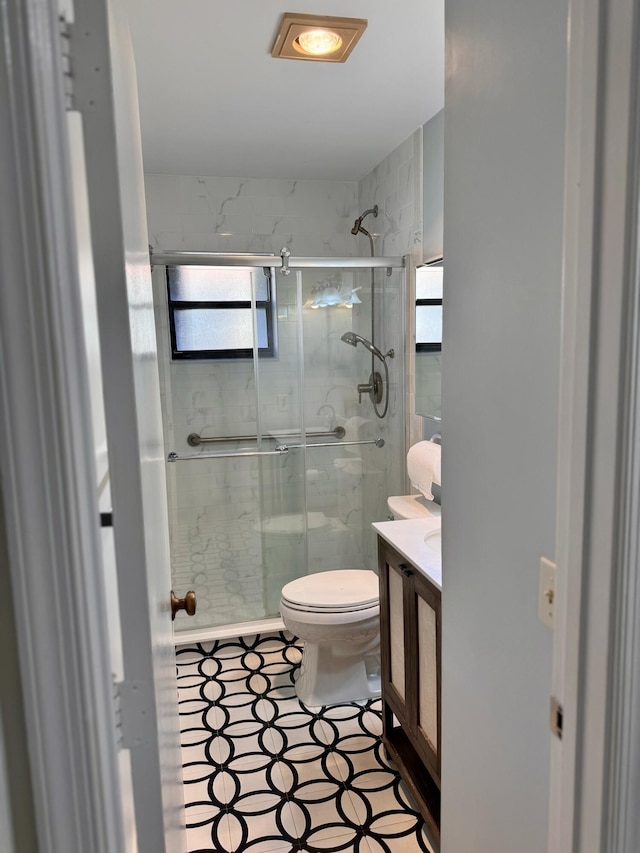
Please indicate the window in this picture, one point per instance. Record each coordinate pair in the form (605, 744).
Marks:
(210, 311)
(429, 308)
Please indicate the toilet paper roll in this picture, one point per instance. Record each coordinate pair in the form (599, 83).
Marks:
(424, 467)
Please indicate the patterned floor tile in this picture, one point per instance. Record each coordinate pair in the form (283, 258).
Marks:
(265, 774)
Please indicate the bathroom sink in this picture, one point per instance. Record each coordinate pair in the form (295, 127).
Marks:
(433, 541)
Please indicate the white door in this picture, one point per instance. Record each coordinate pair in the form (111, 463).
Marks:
(594, 781)
(131, 391)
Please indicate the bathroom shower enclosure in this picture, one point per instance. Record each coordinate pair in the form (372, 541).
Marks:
(277, 465)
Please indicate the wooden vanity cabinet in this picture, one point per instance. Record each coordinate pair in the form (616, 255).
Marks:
(410, 614)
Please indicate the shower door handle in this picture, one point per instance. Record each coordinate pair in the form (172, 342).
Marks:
(188, 604)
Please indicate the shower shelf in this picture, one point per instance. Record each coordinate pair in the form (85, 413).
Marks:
(280, 450)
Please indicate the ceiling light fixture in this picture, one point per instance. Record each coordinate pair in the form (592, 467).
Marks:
(320, 38)
(318, 42)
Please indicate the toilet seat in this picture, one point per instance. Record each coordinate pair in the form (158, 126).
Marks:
(340, 591)
(310, 608)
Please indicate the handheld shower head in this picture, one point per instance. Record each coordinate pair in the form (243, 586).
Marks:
(353, 339)
(357, 225)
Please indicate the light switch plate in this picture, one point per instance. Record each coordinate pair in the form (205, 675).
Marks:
(547, 591)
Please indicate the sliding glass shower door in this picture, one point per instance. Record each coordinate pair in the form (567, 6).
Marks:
(280, 464)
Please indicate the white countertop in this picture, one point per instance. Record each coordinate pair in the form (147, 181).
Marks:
(407, 537)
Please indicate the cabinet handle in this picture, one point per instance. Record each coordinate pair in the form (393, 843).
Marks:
(404, 568)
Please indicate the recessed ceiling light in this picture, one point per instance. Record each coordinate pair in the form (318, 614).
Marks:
(318, 42)
(320, 38)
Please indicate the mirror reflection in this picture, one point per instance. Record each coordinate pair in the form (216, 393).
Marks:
(428, 324)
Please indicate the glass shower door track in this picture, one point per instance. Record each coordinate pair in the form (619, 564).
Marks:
(212, 259)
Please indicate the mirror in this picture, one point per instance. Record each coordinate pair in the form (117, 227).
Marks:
(428, 330)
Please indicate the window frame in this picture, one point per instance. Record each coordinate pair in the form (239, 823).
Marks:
(434, 346)
(245, 353)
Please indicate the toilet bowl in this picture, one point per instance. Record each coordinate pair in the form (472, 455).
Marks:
(337, 615)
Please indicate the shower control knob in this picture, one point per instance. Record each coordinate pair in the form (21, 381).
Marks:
(364, 388)
(188, 604)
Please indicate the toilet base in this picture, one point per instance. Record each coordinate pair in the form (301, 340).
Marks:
(329, 677)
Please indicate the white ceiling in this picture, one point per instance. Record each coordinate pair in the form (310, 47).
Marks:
(213, 101)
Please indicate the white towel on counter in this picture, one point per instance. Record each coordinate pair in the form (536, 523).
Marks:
(424, 467)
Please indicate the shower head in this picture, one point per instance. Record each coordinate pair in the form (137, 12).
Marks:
(353, 339)
(357, 225)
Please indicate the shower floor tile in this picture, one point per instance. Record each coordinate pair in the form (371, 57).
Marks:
(265, 773)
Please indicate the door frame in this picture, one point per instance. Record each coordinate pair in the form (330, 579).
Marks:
(596, 653)
(47, 463)
(47, 470)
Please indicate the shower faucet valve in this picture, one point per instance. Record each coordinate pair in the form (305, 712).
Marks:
(373, 388)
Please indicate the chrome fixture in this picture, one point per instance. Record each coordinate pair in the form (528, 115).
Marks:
(353, 339)
(285, 254)
(195, 440)
(375, 387)
(357, 225)
(280, 261)
(281, 450)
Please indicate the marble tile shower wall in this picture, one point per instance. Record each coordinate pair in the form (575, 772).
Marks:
(395, 185)
(251, 214)
(219, 539)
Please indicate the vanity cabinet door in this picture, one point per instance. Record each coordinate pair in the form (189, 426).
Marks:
(395, 633)
(425, 722)
(410, 657)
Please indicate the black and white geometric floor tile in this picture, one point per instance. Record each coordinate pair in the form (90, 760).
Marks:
(265, 774)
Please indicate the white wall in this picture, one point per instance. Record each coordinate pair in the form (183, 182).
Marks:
(504, 135)
(433, 186)
(213, 214)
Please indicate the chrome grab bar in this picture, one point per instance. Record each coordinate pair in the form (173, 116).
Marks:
(195, 440)
(281, 450)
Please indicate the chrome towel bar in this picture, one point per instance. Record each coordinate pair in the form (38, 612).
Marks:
(281, 450)
(379, 442)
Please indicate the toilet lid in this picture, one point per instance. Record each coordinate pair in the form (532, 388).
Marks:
(335, 592)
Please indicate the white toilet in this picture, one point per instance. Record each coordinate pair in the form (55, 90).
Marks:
(337, 614)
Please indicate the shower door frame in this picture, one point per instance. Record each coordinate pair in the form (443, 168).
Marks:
(284, 264)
